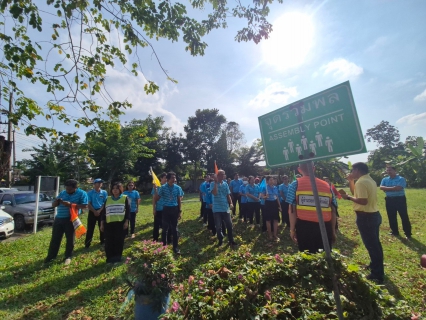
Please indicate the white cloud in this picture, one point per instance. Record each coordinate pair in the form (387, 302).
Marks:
(421, 96)
(342, 69)
(378, 45)
(124, 86)
(413, 119)
(275, 93)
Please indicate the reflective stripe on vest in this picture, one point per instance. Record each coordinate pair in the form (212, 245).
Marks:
(115, 209)
(305, 202)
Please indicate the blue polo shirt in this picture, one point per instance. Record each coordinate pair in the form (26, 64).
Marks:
(159, 203)
(220, 200)
(291, 194)
(243, 193)
(284, 189)
(203, 189)
(133, 196)
(254, 190)
(208, 198)
(97, 199)
(170, 194)
(78, 197)
(235, 185)
(397, 181)
(272, 192)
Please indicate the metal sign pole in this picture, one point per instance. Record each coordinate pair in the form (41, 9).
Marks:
(325, 240)
(36, 206)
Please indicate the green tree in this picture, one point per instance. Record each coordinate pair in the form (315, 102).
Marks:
(387, 138)
(173, 153)
(202, 132)
(223, 157)
(234, 136)
(413, 166)
(115, 149)
(66, 48)
(247, 158)
(57, 159)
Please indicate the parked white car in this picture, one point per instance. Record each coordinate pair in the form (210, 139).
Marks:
(7, 225)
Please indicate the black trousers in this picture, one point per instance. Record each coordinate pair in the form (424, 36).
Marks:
(236, 198)
(114, 241)
(61, 226)
(158, 220)
(132, 221)
(309, 235)
(396, 205)
(284, 213)
(169, 224)
(204, 212)
(244, 210)
(92, 220)
(253, 208)
(203, 205)
(211, 222)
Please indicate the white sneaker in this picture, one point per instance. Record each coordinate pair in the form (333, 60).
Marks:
(67, 261)
(133, 235)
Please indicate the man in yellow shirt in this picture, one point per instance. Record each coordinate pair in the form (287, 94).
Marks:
(368, 218)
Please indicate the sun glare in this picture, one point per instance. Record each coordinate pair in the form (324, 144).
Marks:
(290, 41)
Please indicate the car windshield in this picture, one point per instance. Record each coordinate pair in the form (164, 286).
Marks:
(21, 198)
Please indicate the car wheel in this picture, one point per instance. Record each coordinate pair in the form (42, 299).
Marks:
(19, 222)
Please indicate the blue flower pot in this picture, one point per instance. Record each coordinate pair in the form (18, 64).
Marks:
(144, 308)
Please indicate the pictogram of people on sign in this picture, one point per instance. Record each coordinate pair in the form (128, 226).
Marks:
(309, 145)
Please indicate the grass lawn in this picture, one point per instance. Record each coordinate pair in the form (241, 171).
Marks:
(90, 289)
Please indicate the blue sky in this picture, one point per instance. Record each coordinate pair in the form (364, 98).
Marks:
(378, 45)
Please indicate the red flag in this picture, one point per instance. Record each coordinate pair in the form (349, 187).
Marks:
(78, 226)
(215, 168)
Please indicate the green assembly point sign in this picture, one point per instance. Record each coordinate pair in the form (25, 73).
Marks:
(324, 125)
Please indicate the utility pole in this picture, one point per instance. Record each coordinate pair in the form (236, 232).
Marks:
(14, 156)
(9, 138)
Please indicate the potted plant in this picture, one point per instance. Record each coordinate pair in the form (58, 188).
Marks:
(150, 276)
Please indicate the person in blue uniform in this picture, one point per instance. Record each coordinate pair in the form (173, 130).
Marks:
(272, 208)
(135, 199)
(394, 186)
(252, 192)
(96, 198)
(234, 187)
(283, 189)
(222, 206)
(172, 195)
(243, 200)
(62, 223)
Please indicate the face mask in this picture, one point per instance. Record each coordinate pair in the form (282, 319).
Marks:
(245, 182)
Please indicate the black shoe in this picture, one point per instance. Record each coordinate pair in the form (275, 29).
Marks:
(374, 279)
(176, 251)
(220, 243)
(48, 261)
(233, 243)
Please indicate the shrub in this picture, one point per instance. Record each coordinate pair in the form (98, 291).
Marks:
(245, 286)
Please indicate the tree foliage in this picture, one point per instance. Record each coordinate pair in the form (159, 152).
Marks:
(57, 159)
(67, 48)
(115, 149)
(408, 157)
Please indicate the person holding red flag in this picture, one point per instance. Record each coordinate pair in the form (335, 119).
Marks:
(62, 223)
